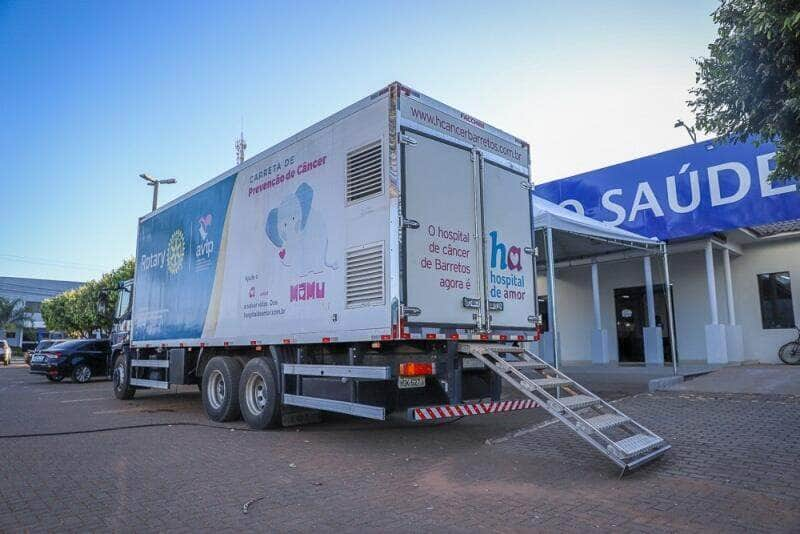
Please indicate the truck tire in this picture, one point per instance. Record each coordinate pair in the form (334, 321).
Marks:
(221, 389)
(258, 394)
(121, 379)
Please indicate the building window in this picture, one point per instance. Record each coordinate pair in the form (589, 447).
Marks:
(775, 293)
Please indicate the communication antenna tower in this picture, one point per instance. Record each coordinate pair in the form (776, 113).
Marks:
(240, 145)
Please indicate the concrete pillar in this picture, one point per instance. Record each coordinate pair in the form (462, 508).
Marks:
(712, 283)
(600, 352)
(716, 335)
(726, 257)
(648, 287)
(653, 341)
(734, 334)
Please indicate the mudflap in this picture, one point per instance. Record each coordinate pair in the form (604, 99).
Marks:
(294, 416)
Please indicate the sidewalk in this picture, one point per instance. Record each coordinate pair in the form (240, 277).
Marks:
(747, 379)
(629, 379)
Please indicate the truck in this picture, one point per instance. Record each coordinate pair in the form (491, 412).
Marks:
(339, 269)
(379, 262)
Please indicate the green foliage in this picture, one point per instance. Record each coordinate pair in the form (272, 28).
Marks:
(750, 83)
(13, 314)
(76, 312)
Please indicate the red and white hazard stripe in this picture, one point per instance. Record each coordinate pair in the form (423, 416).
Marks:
(460, 410)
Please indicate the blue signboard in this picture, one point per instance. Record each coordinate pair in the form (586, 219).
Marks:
(176, 259)
(689, 191)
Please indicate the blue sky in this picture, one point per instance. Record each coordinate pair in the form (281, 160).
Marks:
(94, 93)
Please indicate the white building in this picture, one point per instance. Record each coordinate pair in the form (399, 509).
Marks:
(734, 248)
(32, 291)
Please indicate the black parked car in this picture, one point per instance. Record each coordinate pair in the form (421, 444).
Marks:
(42, 346)
(80, 359)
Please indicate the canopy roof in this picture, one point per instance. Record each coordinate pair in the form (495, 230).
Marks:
(580, 236)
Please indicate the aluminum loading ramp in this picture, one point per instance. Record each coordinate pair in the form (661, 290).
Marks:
(621, 439)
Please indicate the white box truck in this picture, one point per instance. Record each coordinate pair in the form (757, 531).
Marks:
(379, 261)
(348, 261)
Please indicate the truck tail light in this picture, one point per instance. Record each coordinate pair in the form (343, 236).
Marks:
(416, 369)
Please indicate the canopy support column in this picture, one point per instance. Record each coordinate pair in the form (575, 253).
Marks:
(551, 296)
(653, 335)
(600, 353)
(673, 348)
(596, 297)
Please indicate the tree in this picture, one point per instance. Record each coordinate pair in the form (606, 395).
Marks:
(13, 314)
(76, 312)
(750, 83)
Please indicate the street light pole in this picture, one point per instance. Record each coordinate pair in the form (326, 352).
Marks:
(689, 130)
(154, 183)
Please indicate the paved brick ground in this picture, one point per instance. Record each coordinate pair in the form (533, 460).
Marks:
(733, 467)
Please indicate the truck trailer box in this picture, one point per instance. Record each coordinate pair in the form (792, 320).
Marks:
(396, 218)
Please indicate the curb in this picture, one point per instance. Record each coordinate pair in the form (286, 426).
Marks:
(658, 384)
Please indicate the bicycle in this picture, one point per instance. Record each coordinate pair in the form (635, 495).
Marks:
(790, 352)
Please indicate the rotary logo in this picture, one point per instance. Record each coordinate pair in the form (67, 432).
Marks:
(175, 251)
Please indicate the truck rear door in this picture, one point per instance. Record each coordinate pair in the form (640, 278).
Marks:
(450, 194)
(509, 266)
(442, 284)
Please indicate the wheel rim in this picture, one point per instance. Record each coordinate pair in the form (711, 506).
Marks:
(216, 390)
(119, 376)
(256, 393)
(84, 373)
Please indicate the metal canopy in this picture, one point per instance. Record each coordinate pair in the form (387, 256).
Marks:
(567, 236)
(581, 237)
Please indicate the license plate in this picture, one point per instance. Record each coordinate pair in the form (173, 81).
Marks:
(406, 382)
(37, 359)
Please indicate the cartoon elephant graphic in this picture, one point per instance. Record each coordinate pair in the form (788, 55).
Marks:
(299, 233)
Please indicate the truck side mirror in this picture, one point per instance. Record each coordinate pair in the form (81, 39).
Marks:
(102, 302)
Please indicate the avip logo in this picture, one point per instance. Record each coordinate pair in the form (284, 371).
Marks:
(206, 246)
(175, 251)
(204, 223)
(505, 257)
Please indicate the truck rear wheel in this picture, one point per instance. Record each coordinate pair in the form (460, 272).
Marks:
(258, 394)
(221, 389)
(121, 379)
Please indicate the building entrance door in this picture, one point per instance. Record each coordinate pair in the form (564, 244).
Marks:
(630, 304)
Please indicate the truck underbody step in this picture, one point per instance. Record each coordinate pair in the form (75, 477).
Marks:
(535, 378)
(638, 444)
(150, 363)
(331, 405)
(367, 372)
(143, 382)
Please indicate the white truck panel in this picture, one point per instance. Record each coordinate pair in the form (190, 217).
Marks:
(302, 243)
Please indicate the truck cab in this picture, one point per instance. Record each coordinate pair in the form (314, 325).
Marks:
(121, 326)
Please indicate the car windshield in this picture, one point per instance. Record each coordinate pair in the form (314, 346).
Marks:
(46, 344)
